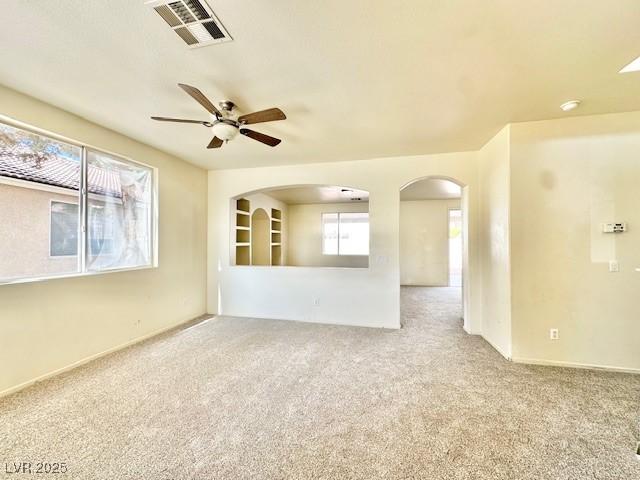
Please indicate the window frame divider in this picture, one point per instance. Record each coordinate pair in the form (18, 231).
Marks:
(84, 234)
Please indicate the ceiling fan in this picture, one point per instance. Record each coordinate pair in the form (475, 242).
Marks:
(224, 123)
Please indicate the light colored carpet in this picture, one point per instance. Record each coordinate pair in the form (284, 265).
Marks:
(255, 399)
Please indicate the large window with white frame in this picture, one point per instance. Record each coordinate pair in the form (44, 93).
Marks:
(69, 209)
(345, 233)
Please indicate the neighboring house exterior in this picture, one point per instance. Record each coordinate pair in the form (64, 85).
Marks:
(39, 213)
(25, 220)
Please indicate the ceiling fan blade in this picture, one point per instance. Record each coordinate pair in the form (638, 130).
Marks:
(199, 97)
(261, 137)
(269, 115)
(181, 120)
(215, 143)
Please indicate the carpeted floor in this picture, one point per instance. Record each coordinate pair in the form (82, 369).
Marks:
(255, 399)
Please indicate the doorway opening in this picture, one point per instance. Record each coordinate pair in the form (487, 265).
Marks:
(433, 237)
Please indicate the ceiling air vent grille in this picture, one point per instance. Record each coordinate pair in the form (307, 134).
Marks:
(192, 20)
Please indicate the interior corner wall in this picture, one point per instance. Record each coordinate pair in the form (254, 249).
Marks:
(351, 296)
(424, 241)
(494, 241)
(50, 325)
(568, 177)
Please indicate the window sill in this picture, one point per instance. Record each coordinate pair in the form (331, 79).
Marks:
(73, 275)
(311, 267)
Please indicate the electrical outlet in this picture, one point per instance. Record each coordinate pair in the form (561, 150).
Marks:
(554, 334)
(614, 266)
(316, 302)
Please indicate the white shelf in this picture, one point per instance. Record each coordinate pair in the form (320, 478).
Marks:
(242, 212)
(240, 227)
(276, 220)
(276, 244)
(243, 244)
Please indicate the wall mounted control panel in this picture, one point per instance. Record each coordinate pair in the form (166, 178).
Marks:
(614, 227)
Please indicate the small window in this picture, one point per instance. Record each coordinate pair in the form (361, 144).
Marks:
(345, 233)
(63, 235)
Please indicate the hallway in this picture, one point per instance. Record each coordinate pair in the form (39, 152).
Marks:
(246, 398)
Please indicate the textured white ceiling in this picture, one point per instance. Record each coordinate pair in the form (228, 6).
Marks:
(312, 194)
(357, 79)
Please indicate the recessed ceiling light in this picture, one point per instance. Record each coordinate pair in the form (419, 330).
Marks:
(632, 67)
(570, 105)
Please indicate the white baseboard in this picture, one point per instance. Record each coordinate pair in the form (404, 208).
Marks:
(588, 366)
(470, 332)
(90, 358)
(497, 348)
(386, 326)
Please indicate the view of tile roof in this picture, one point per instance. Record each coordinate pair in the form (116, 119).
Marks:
(57, 171)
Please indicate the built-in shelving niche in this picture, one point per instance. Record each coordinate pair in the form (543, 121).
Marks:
(276, 255)
(243, 232)
(243, 205)
(243, 220)
(276, 237)
(243, 255)
(243, 236)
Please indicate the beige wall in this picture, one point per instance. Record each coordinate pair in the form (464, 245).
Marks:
(305, 236)
(568, 177)
(494, 242)
(25, 236)
(424, 242)
(46, 326)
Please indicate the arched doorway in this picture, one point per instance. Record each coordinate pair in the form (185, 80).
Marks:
(434, 237)
(260, 238)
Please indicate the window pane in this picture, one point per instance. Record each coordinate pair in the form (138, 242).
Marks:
(37, 237)
(329, 233)
(354, 234)
(119, 213)
(64, 229)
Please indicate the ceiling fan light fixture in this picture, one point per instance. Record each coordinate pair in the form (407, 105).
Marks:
(570, 105)
(224, 131)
